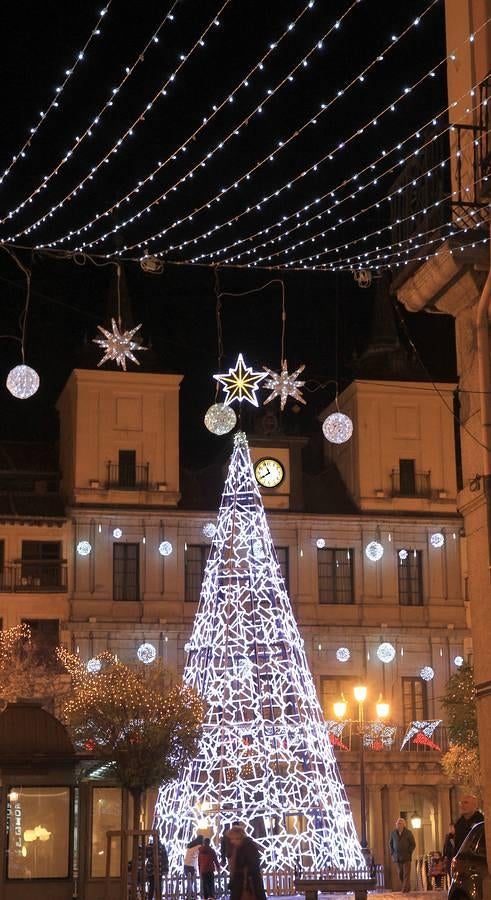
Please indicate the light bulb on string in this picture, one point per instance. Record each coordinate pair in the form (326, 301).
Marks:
(242, 178)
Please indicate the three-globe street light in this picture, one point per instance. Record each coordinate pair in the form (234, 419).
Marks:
(383, 710)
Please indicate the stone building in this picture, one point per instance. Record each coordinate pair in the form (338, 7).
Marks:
(106, 550)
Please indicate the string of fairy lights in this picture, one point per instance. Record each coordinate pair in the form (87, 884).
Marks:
(54, 103)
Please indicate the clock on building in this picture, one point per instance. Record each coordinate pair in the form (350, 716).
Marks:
(269, 472)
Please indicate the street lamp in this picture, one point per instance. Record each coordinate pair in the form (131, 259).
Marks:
(383, 709)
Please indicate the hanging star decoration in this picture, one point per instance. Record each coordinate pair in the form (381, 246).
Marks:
(241, 383)
(283, 385)
(118, 345)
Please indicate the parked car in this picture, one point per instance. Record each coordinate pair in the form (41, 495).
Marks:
(468, 867)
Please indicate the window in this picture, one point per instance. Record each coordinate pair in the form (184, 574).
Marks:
(106, 816)
(41, 564)
(414, 700)
(407, 477)
(127, 469)
(331, 689)
(2, 555)
(44, 640)
(335, 574)
(195, 562)
(410, 574)
(38, 832)
(282, 554)
(126, 572)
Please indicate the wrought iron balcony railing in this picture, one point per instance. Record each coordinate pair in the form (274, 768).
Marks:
(127, 478)
(35, 576)
(418, 485)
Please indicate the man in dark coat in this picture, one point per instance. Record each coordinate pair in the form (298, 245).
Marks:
(245, 866)
(402, 846)
(470, 816)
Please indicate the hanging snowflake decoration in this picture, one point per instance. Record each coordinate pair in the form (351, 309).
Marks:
(94, 665)
(427, 673)
(283, 385)
(241, 383)
(118, 345)
(146, 653)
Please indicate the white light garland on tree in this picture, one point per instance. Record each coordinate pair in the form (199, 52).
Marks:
(265, 756)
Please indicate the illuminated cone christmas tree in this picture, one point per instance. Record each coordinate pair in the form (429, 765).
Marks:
(265, 756)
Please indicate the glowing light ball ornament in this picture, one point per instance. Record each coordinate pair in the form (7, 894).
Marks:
(84, 548)
(165, 548)
(146, 653)
(459, 661)
(374, 551)
(437, 540)
(427, 673)
(22, 382)
(94, 665)
(403, 554)
(337, 428)
(343, 654)
(220, 419)
(209, 529)
(386, 652)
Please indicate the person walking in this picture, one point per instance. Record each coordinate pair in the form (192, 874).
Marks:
(470, 816)
(191, 866)
(162, 863)
(402, 846)
(208, 864)
(246, 881)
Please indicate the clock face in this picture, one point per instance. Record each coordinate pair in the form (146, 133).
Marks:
(269, 472)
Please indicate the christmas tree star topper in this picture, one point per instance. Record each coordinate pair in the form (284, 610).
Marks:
(118, 345)
(283, 385)
(241, 383)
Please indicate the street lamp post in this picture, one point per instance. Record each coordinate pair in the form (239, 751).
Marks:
(383, 709)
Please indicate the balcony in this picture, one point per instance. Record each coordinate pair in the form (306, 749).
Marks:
(417, 485)
(380, 737)
(127, 477)
(35, 576)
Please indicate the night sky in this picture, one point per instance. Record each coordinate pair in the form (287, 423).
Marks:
(328, 316)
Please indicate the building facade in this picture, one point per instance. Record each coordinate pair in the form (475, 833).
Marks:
(113, 556)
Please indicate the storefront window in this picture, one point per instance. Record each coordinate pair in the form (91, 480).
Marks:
(106, 816)
(38, 832)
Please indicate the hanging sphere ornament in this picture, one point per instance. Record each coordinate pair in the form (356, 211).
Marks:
(437, 539)
(220, 419)
(22, 382)
(343, 654)
(337, 428)
(146, 653)
(386, 652)
(427, 673)
(165, 548)
(94, 665)
(374, 551)
(84, 548)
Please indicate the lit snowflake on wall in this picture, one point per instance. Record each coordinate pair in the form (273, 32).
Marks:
(427, 673)
(386, 652)
(209, 529)
(437, 539)
(403, 554)
(343, 654)
(320, 543)
(165, 548)
(146, 653)
(374, 551)
(459, 661)
(117, 533)
(265, 757)
(94, 665)
(84, 548)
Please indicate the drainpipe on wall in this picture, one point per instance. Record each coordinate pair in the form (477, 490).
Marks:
(484, 366)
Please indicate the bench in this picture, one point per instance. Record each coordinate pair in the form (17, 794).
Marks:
(312, 886)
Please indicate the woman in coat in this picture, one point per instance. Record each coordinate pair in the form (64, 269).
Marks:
(246, 881)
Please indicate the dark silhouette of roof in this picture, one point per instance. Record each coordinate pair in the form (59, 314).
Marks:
(28, 733)
(385, 358)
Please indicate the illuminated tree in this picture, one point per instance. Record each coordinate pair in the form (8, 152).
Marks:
(129, 717)
(265, 757)
(461, 762)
